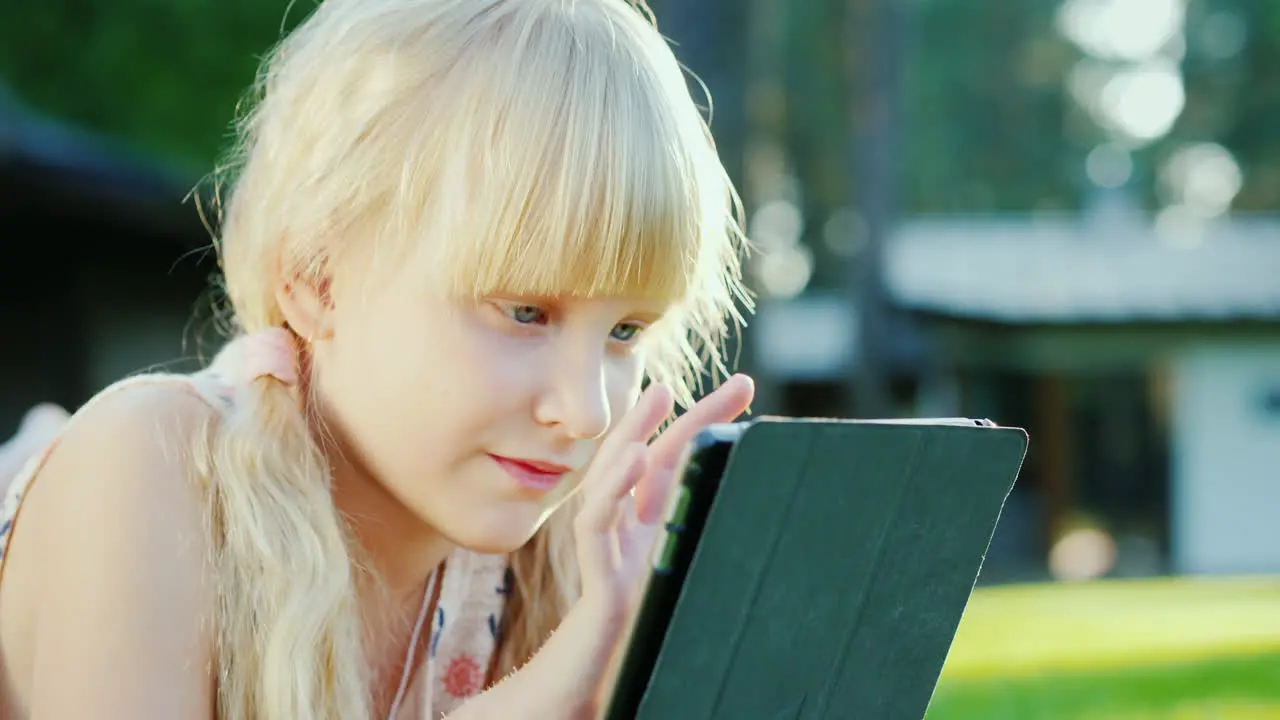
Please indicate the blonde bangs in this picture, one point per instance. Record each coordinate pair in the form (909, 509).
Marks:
(601, 223)
(572, 170)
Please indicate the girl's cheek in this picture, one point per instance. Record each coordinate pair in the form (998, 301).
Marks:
(625, 384)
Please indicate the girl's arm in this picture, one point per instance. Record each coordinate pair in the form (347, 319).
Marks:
(113, 533)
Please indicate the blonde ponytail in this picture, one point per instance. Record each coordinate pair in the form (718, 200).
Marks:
(290, 641)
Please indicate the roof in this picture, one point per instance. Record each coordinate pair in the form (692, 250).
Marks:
(1064, 270)
(58, 159)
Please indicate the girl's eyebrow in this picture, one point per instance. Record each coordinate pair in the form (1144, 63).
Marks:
(646, 316)
(543, 301)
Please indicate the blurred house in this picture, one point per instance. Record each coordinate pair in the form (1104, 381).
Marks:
(101, 269)
(1145, 362)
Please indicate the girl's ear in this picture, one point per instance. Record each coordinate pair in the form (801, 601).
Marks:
(307, 304)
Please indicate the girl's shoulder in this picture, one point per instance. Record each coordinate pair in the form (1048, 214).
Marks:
(105, 554)
(144, 420)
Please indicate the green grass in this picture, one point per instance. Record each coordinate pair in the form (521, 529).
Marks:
(1237, 688)
(1030, 630)
(1203, 649)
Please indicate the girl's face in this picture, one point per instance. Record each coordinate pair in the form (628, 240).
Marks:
(477, 415)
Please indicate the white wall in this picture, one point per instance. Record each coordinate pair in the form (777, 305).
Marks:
(1225, 484)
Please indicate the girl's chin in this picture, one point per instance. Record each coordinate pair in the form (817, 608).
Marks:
(497, 532)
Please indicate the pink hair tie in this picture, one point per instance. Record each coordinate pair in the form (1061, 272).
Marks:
(269, 353)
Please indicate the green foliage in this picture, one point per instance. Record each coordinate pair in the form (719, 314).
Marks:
(163, 75)
(1235, 100)
(990, 124)
(989, 121)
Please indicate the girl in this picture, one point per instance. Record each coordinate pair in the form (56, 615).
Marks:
(460, 234)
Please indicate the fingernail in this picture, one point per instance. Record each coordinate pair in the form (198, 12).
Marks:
(657, 389)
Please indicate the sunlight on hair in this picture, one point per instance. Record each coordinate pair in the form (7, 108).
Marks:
(568, 158)
(539, 147)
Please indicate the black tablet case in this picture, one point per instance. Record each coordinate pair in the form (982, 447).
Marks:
(833, 571)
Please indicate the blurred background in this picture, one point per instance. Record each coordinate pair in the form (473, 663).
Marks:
(1058, 214)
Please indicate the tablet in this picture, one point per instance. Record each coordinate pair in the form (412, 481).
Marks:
(815, 568)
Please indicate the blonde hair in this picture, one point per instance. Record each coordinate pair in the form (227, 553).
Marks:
(541, 147)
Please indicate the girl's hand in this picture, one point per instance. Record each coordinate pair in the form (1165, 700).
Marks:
(627, 490)
(625, 497)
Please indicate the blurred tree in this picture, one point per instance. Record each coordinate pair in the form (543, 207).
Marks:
(1232, 56)
(164, 75)
(990, 122)
(819, 62)
(707, 37)
(988, 111)
(986, 122)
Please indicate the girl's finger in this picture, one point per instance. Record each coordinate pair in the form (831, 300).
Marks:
(637, 426)
(724, 405)
(601, 500)
(653, 493)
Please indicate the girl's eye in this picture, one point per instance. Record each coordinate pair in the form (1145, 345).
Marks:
(625, 332)
(526, 314)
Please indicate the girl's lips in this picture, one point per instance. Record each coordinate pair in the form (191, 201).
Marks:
(535, 475)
